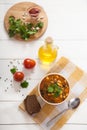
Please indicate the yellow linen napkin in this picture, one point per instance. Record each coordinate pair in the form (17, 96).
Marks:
(77, 79)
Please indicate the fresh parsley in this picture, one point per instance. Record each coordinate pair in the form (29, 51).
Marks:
(50, 89)
(24, 84)
(55, 89)
(13, 70)
(24, 30)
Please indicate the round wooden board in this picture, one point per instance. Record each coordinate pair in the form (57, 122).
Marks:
(18, 10)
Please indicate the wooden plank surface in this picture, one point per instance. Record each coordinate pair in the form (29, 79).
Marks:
(68, 27)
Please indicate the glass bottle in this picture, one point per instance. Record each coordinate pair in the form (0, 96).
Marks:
(47, 53)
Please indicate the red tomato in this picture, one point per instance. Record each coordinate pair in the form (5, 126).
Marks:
(18, 76)
(29, 63)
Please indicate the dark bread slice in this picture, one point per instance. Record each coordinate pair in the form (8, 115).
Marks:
(31, 104)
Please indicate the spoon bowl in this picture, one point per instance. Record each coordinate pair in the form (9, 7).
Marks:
(72, 104)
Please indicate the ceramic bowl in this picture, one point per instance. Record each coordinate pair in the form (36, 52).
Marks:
(53, 89)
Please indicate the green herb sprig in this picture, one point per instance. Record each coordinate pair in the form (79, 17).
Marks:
(13, 70)
(24, 84)
(18, 27)
(55, 89)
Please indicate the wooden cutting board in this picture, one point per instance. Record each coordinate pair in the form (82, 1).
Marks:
(56, 68)
(20, 11)
(77, 79)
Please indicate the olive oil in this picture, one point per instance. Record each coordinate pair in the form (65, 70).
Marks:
(47, 53)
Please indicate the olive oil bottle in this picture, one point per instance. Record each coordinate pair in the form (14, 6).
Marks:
(47, 53)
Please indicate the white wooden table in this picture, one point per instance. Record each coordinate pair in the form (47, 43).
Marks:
(68, 27)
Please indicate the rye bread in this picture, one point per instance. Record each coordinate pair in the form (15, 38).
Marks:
(31, 104)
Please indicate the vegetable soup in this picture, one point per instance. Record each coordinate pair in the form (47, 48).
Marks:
(54, 88)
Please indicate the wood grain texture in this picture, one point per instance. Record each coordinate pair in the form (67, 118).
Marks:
(78, 77)
(18, 10)
(56, 68)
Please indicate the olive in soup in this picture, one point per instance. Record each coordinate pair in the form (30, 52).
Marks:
(54, 88)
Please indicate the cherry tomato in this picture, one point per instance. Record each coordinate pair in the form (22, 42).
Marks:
(29, 63)
(18, 76)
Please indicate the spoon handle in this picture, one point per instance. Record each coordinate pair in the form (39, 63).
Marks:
(50, 121)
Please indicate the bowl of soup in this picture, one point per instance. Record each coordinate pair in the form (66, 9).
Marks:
(53, 89)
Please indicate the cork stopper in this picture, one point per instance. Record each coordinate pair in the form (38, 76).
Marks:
(49, 40)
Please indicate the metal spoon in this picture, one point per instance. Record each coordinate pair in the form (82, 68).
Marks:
(72, 104)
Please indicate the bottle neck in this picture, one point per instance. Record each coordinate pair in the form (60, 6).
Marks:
(48, 42)
(49, 45)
